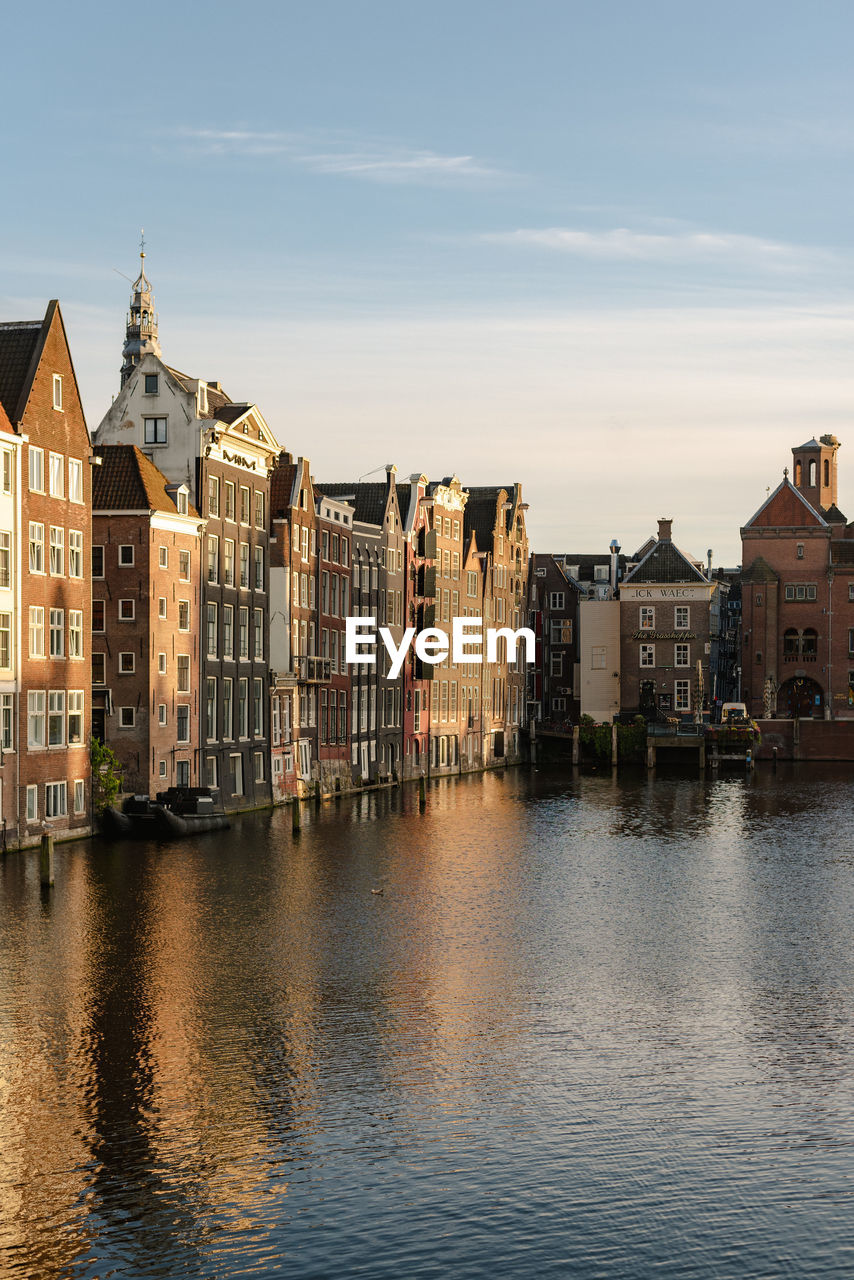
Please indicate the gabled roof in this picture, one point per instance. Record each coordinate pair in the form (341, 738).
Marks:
(282, 485)
(665, 563)
(368, 500)
(21, 343)
(216, 398)
(833, 515)
(759, 571)
(129, 481)
(786, 508)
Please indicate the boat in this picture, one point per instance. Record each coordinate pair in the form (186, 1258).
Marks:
(178, 812)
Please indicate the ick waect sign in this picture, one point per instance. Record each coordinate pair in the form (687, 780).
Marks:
(433, 645)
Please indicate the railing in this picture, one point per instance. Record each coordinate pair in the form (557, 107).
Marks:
(800, 657)
(313, 670)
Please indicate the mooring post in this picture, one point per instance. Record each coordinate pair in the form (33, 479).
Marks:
(317, 796)
(650, 754)
(576, 731)
(775, 759)
(46, 860)
(614, 745)
(422, 793)
(296, 817)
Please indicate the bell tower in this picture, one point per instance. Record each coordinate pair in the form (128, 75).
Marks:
(141, 327)
(814, 471)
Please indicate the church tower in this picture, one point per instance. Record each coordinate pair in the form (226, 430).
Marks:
(141, 328)
(815, 471)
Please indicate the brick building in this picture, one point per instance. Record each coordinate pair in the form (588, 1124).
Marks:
(223, 452)
(553, 616)
(45, 714)
(334, 543)
(146, 590)
(419, 612)
(798, 594)
(669, 620)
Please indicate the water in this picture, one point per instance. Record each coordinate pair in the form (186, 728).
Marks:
(589, 1028)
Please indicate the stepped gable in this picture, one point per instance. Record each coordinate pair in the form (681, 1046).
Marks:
(368, 500)
(786, 508)
(480, 511)
(759, 570)
(129, 481)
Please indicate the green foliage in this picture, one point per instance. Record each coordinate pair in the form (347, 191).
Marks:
(595, 741)
(106, 774)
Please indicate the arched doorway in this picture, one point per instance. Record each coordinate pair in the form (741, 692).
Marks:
(801, 697)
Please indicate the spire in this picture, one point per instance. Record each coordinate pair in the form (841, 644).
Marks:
(141, 329)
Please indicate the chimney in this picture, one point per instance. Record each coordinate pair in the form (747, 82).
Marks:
(615, 561)
(665, 528)
(709, 563)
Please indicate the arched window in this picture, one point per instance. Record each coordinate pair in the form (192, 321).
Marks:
(827, 471)
(812, 473)
(798, 473)
(790, 643)
(809, 642)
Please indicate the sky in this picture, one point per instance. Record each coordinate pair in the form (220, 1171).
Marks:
(604, 250)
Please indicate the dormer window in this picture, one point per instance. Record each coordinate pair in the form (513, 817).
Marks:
(57, 391)
(183, 505)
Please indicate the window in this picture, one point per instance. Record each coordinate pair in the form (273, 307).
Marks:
(6, 709)
(75, 480)
(98, 615)
(227, 631)
(161, 606)
(259, 766)
(99, 668)
(36, 461)
(75, 717)
(163, 557)
(57, 551)
(182, 772)
(183, 722)
(227, 709)
(558, 704)
(236, 762)
(244, 565)
(258, 707)
(682, 695)
(561, 631)
(259, 635)
(229, 499)
(56, 718)
(259, 569)
(647, 618)
(228, 563)
(127, 664)
(56, 473)
(36, 631)
(126, 610)
(801, 591)
(5, 559)
(183, 615)
(557, 664)
(5, 640)
(97, 562)
(161, 664)
(75, 553)
(647, 655)
(851, 590)
(32, 804)
(152, 384)
(36, 719)
(259, 509)
(57, 391)
(184, 566)
(243, 633)
(56, 800)
(79, 796)
(851, 640)
(210, 629)
(213, 558)
(127, 717)
(210, 708)
(162, 768)
(471, 583)
(682, 655)
(213, 495)
(75, 633)
(244, 505)
(682, 617)
(211, 773)
(126, 556)
(6, 471)
(183, 673)
(243, 708)
(161, 714)
(800, 551)
(36, 548)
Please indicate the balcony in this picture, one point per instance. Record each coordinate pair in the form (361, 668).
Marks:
(311, 670)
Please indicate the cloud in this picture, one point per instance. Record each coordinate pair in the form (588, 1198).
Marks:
(372, 161)
(623, 244)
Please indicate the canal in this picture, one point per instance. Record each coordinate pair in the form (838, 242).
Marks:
(550, 1027)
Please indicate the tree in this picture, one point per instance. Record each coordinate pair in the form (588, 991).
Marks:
(106, 774)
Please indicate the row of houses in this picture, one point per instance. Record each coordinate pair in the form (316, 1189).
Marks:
(178, 585)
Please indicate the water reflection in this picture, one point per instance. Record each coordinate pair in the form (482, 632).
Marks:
(589, 1025)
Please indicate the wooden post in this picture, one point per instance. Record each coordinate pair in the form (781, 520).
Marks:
(702, 755)
(650, 754)
(775, 759)
(422, 793)
(296, 817)
(317, 796)
(46, 860)
(614, 745)
(575, 743)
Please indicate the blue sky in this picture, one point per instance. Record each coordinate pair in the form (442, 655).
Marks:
(602, 249)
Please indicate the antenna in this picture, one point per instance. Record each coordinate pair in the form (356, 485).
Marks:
(122, 274)
(371, 473)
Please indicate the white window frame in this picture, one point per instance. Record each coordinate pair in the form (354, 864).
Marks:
(35, 469)
(57, 391)
(125, 668)
(647, 655)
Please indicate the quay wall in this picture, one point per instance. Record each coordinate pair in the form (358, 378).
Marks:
(807, 740)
